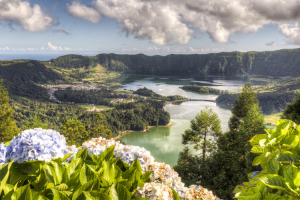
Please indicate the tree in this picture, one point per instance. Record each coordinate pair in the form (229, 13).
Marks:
(206, 123)
(192, 167)
(8, 127)
(99, 128)
(35, 122)
(292, 111)
(74, 132)
(233, 159)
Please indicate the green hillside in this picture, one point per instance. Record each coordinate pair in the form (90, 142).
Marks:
(270, 63)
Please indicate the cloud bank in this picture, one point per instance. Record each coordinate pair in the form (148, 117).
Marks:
(21, 13)
(176, 21)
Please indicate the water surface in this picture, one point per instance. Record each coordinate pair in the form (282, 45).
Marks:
(164, 143)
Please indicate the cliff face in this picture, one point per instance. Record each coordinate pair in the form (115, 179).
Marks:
(271, 63)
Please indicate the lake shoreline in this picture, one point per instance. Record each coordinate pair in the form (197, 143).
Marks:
(122, 134)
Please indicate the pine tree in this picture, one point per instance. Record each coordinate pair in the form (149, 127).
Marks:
(8, 127)
(233, 160)
(205, 124)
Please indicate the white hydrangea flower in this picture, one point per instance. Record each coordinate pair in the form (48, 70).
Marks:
(155, 191)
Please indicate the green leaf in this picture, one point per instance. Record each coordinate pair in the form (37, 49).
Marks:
(61, 187)
(78, 194)
(248, 195)
(273, 166)
(86, 174)
(21, 193)
(274, 181)
(58, 171)
(287, 156)
(30, 168)
(94, 195)
(256, 139)
(123, 193)
(4, 174)
(59, 195)
(74, 165)
(257, 149)
(273, 197)
(175, 195)
(7, 188)
(146, 176)
(81, 154)
(61, 160)
(292, 140)
(111, 173)
(49, 173)
(40, 182)
(292, 175)
(107, 154)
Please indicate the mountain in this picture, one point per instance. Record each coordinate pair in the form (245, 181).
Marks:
(284, 62)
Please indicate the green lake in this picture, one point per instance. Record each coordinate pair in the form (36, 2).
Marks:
(164, 143)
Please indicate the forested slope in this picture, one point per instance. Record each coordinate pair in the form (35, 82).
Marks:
(271, 63)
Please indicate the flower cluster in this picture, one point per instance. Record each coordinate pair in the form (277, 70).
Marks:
(162, 178)
(70, 150)
(126, 153)
(155, 191)
(36, 144)
(2, 154)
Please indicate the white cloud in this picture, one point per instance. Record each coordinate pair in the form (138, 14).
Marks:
(84, 12)
(55, 48)
(181, 50)
(174, 21)
(4, 49)
(20, 13)
(271, 43)
(67, 49)
(291, 31)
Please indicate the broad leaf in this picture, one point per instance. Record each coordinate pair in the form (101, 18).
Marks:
(292, 175)
(94, 195)
(273, 166)
(274, 181)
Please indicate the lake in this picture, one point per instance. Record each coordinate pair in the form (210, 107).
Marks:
(164, 143)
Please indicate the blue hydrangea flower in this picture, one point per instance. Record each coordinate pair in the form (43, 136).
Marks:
(2, 154)
(36, 144)
(255, 173)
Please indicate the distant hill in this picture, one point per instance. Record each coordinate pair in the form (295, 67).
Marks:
(270, 63)
(28, 72)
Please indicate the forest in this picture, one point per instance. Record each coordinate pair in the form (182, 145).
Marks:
(98, 97)
(201, 89)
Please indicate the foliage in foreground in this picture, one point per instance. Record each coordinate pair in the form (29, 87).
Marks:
(85, 177)
(279, 157)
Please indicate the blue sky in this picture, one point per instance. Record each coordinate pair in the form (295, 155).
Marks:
(153, 27)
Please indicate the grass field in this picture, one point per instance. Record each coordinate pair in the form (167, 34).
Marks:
(272, 118)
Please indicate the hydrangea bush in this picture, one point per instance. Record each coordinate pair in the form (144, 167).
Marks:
(279, 156)
(37, 164)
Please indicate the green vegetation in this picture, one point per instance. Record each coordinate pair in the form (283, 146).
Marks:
(8, 128)
(205, 124)
(278, 156)
(201, 89)
(229, 164)
(98, 97)
(86, 177)
(273, 98)
(149, 93)
(292, 111)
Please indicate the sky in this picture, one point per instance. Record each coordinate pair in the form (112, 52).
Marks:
(151, 27)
